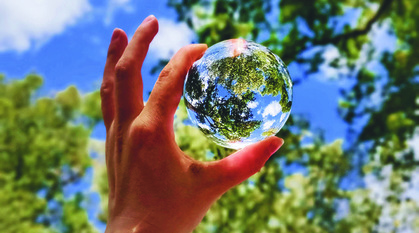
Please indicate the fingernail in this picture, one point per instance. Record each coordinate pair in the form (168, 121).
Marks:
(149, 18)
(206, 47)
(115, 34)
(276, 144)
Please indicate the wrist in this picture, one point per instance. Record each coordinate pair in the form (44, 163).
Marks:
(122, 225)
(153, 222)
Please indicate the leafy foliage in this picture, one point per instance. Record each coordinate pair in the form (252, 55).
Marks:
(42, 150)
(380, 150)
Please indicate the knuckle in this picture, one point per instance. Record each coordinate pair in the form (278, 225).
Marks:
(122, 69)
(167, 70)
(196, 168)
(112, 52)
(144, 133)
(106, 89)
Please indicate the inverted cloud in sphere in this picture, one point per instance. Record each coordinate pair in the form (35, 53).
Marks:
(268, 124)
(25, 23)
(171, 37)
(273, 109)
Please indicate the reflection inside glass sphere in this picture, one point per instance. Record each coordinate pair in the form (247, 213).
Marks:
(238, 93)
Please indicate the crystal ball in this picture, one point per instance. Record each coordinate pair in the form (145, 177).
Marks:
(238, 93)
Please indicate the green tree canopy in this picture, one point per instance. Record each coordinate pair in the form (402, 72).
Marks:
(381, 149)
(42, 149)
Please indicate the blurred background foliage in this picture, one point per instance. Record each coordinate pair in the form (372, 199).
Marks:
(44, 141)
(43, 148)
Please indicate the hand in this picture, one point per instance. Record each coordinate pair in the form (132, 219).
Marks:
(153, 185)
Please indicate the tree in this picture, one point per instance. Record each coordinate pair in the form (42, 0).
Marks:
(43, 148)
(382, 143)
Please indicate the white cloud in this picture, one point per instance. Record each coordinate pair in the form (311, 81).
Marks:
(342, 208)
(171, 37)
(381, 38)
(115, 5)
(413, 191)
(204, 126)
(25, 23)
(268, 124)
(252, 104)
(327, 72)
(379, 188)
(272, 109)
(414, 144)
(97, 146)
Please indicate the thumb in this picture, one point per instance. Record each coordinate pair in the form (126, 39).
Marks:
(166, 94)
(239, 166)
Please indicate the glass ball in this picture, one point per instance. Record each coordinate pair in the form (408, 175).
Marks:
(238, 93)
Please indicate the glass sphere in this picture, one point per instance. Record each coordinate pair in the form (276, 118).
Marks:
(238, 93)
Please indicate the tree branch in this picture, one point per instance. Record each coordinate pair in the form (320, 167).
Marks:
(385, 5)
(357, 32)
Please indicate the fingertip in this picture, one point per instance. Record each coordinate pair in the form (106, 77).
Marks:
(244, 163)
(123, 37)
(117, 46)
(194, 51)
(154, 23)
(118, 30)
(274, 144)
(115, 34)
(200, 47)
(150, 23)
(203, 48)
(149, 19)
(119, 36)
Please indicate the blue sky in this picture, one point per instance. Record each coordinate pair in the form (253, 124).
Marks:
(66, 42)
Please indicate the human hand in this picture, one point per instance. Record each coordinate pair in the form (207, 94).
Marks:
(153, 185)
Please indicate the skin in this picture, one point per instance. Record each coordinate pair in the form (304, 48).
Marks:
(153, 185)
